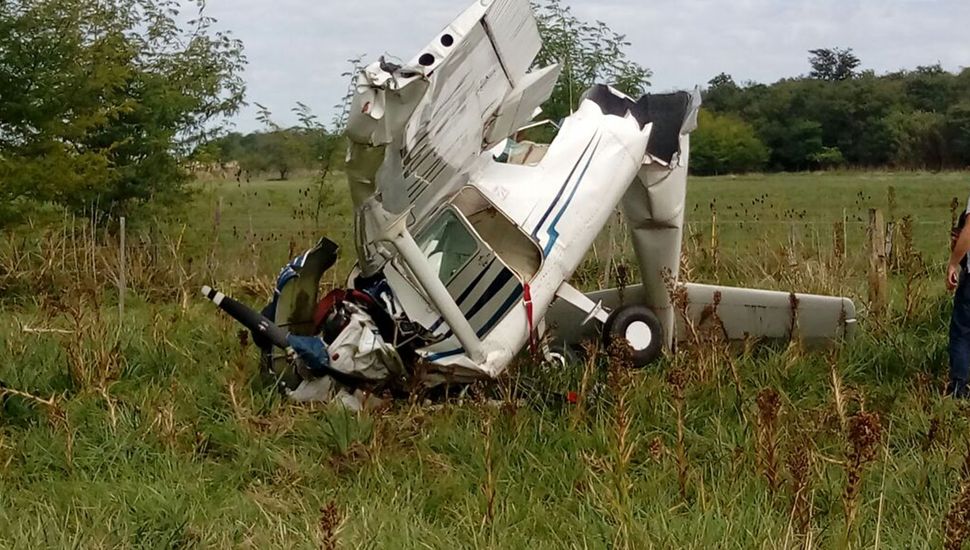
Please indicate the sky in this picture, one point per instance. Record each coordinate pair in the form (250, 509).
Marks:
(297, 49)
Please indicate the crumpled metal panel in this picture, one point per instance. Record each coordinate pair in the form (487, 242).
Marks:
(515, 34)
(468, 88)
(519, 107)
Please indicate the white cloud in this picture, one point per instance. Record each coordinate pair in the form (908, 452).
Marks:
(297, 49)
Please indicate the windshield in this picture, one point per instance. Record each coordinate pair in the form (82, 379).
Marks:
(448, 244)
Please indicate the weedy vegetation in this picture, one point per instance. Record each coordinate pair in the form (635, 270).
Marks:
(152, 427)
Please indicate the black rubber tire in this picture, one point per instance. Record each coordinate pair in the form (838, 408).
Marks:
(616, 325)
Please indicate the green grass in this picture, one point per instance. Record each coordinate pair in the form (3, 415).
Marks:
(814, 202)
(160, 434)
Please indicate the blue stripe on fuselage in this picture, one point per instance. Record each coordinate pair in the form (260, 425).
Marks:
(553, 234)
(502, 310)
(496, 317)
(445, 354)
(503, 278)
(464, 295)
(562, 189)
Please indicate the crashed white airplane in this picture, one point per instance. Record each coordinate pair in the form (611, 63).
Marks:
(464, 258)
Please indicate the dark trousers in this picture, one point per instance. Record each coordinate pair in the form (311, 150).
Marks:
(960, 340)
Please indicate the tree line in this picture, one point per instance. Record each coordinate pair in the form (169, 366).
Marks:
(105, 105)
(836, 116)
(276, 151)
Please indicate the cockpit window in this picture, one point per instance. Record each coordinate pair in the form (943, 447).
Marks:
(448, 244)
(513, 246)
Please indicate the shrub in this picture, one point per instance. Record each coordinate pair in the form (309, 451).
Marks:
(724, 144)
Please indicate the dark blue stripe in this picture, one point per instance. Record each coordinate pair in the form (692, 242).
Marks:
(499, 314)
(553, 234)
(444, 354)
(502, 310)
(464, 295)
(503, 278)
(562, 189)
(509, 302)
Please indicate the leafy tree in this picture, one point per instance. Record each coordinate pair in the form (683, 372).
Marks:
(958, 133)
(782, 115)
(919, 139)
(828, 157)
(283, 150)
(852, 115)
(589, 53)
(278, 149)
(100, 100)
(795, 144)
(833, 64)
(864, 121)
(230, 147)
(929, 88)
(207, 153)
(723, 94)
(342, 108)
(724, 144)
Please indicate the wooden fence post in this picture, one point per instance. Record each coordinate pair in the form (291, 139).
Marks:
(792, 246)
(845, 234)
(878, 286)
(715, 244)
(122, 273)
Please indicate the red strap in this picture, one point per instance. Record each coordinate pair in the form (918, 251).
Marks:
(325, 305)
(527, 295)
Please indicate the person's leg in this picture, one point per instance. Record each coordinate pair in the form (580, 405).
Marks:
(960, 341)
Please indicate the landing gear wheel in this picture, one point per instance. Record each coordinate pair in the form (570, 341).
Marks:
(562, 355)
(640, 329)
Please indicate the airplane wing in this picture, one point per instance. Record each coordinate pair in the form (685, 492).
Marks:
(467, 90)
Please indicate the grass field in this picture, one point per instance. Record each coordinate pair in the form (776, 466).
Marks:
(156, 431)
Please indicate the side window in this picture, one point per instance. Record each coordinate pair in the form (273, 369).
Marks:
(448, 244)
(514, 247)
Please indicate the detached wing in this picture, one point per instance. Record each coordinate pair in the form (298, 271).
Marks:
(479, 93)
